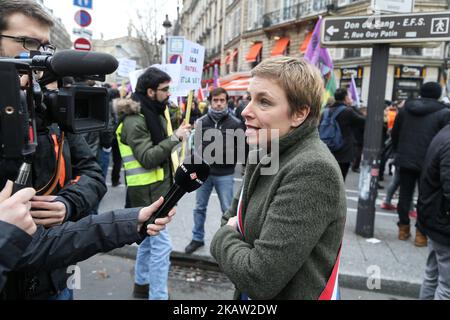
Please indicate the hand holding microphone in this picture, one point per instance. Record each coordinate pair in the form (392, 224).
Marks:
(190, 176)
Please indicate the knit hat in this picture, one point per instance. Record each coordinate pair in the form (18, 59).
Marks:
(431, 90)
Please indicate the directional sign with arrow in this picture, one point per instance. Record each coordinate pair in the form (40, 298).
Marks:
(331, 30)
(399, 29)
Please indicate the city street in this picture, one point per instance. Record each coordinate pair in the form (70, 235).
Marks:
(106, 277)
(111, 277)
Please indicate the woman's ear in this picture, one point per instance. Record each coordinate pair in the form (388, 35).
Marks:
(300, 116)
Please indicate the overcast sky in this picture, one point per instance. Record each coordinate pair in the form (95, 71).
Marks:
(111, 17)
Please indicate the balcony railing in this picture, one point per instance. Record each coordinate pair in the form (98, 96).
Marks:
(295, 12)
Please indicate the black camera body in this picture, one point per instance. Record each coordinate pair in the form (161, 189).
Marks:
(26, 109)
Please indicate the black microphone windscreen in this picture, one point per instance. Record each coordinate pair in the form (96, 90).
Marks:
(192, 173)
(74, 63)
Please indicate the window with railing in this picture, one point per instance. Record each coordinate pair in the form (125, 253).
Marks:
(233, 24)
(352, 53)
(294, 10)
(255, 10)
(414, 51)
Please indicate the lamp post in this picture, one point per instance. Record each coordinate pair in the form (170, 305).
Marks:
(162, 43)
(167, 25)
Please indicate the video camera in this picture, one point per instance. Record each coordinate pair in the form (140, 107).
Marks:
(76, 109)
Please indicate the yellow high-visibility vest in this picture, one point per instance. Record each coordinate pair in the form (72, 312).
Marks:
(135, 174)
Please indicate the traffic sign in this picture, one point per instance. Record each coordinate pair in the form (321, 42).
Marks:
(83, 18)
(82, 44)
(393, 6)
(83, 3)
(361, 31)
(82, 33)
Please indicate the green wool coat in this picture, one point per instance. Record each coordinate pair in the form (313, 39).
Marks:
(136, 135)
(293, 223)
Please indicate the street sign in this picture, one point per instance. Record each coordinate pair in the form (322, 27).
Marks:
(83, 3)
(363, 31)
(83, 18)
(394, 6)
(82, 44)
(82, 33)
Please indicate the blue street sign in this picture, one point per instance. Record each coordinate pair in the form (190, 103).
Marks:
(83, 3)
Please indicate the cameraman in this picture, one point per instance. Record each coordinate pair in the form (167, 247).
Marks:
(16, 227)
(24, 27)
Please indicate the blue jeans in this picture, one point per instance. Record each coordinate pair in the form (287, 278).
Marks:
(66, 294)
(104, 161)
(224, 188)
(153, 263)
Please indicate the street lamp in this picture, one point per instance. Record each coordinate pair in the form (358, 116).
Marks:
(167, 25)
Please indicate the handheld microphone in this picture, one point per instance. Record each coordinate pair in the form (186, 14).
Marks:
(189, 176)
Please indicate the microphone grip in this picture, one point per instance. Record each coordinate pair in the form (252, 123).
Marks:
(17, 187)
(170, 200)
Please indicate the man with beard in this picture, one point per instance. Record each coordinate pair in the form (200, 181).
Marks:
(146, 143)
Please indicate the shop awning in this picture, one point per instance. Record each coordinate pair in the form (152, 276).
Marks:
(236, 86)
(280, 47)
(305, 43)
(254, 51)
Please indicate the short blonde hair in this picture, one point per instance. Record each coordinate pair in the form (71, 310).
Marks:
(301, 81)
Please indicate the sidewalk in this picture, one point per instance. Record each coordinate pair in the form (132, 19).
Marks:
(398, 265)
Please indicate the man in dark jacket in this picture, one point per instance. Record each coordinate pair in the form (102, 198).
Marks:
(25, 26)
(222, 125)
(415, 126)
(65, 245)
(433, 208)
(16, 227)
(348, 121)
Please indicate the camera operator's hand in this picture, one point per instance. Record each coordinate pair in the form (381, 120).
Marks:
(160, 224)
(183, 131)
(16, 209)
(48, 212)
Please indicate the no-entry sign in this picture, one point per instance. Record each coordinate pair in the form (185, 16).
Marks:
(82, 44)
(83, 18)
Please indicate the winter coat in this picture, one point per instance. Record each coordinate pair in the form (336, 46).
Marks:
(136, 135)
(65, 245)
(13, 242)
(348, 121)
(226, 128)
(414, 127)
(83, 189)
(433, 205)
(293, 223)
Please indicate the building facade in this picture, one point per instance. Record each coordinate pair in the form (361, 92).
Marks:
(238, 34)
(59, 35)
(129, 47)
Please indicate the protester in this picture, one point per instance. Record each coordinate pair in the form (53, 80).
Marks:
(414, 127)
(281, 238)
(146, 145)
(348, 121)
(433, 208)
(220, 124)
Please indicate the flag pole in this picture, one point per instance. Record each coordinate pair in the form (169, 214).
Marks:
(186, 120)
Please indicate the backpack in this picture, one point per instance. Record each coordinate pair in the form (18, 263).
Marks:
(329, 130)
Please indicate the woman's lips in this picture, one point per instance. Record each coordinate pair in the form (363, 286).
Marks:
(251, 131)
